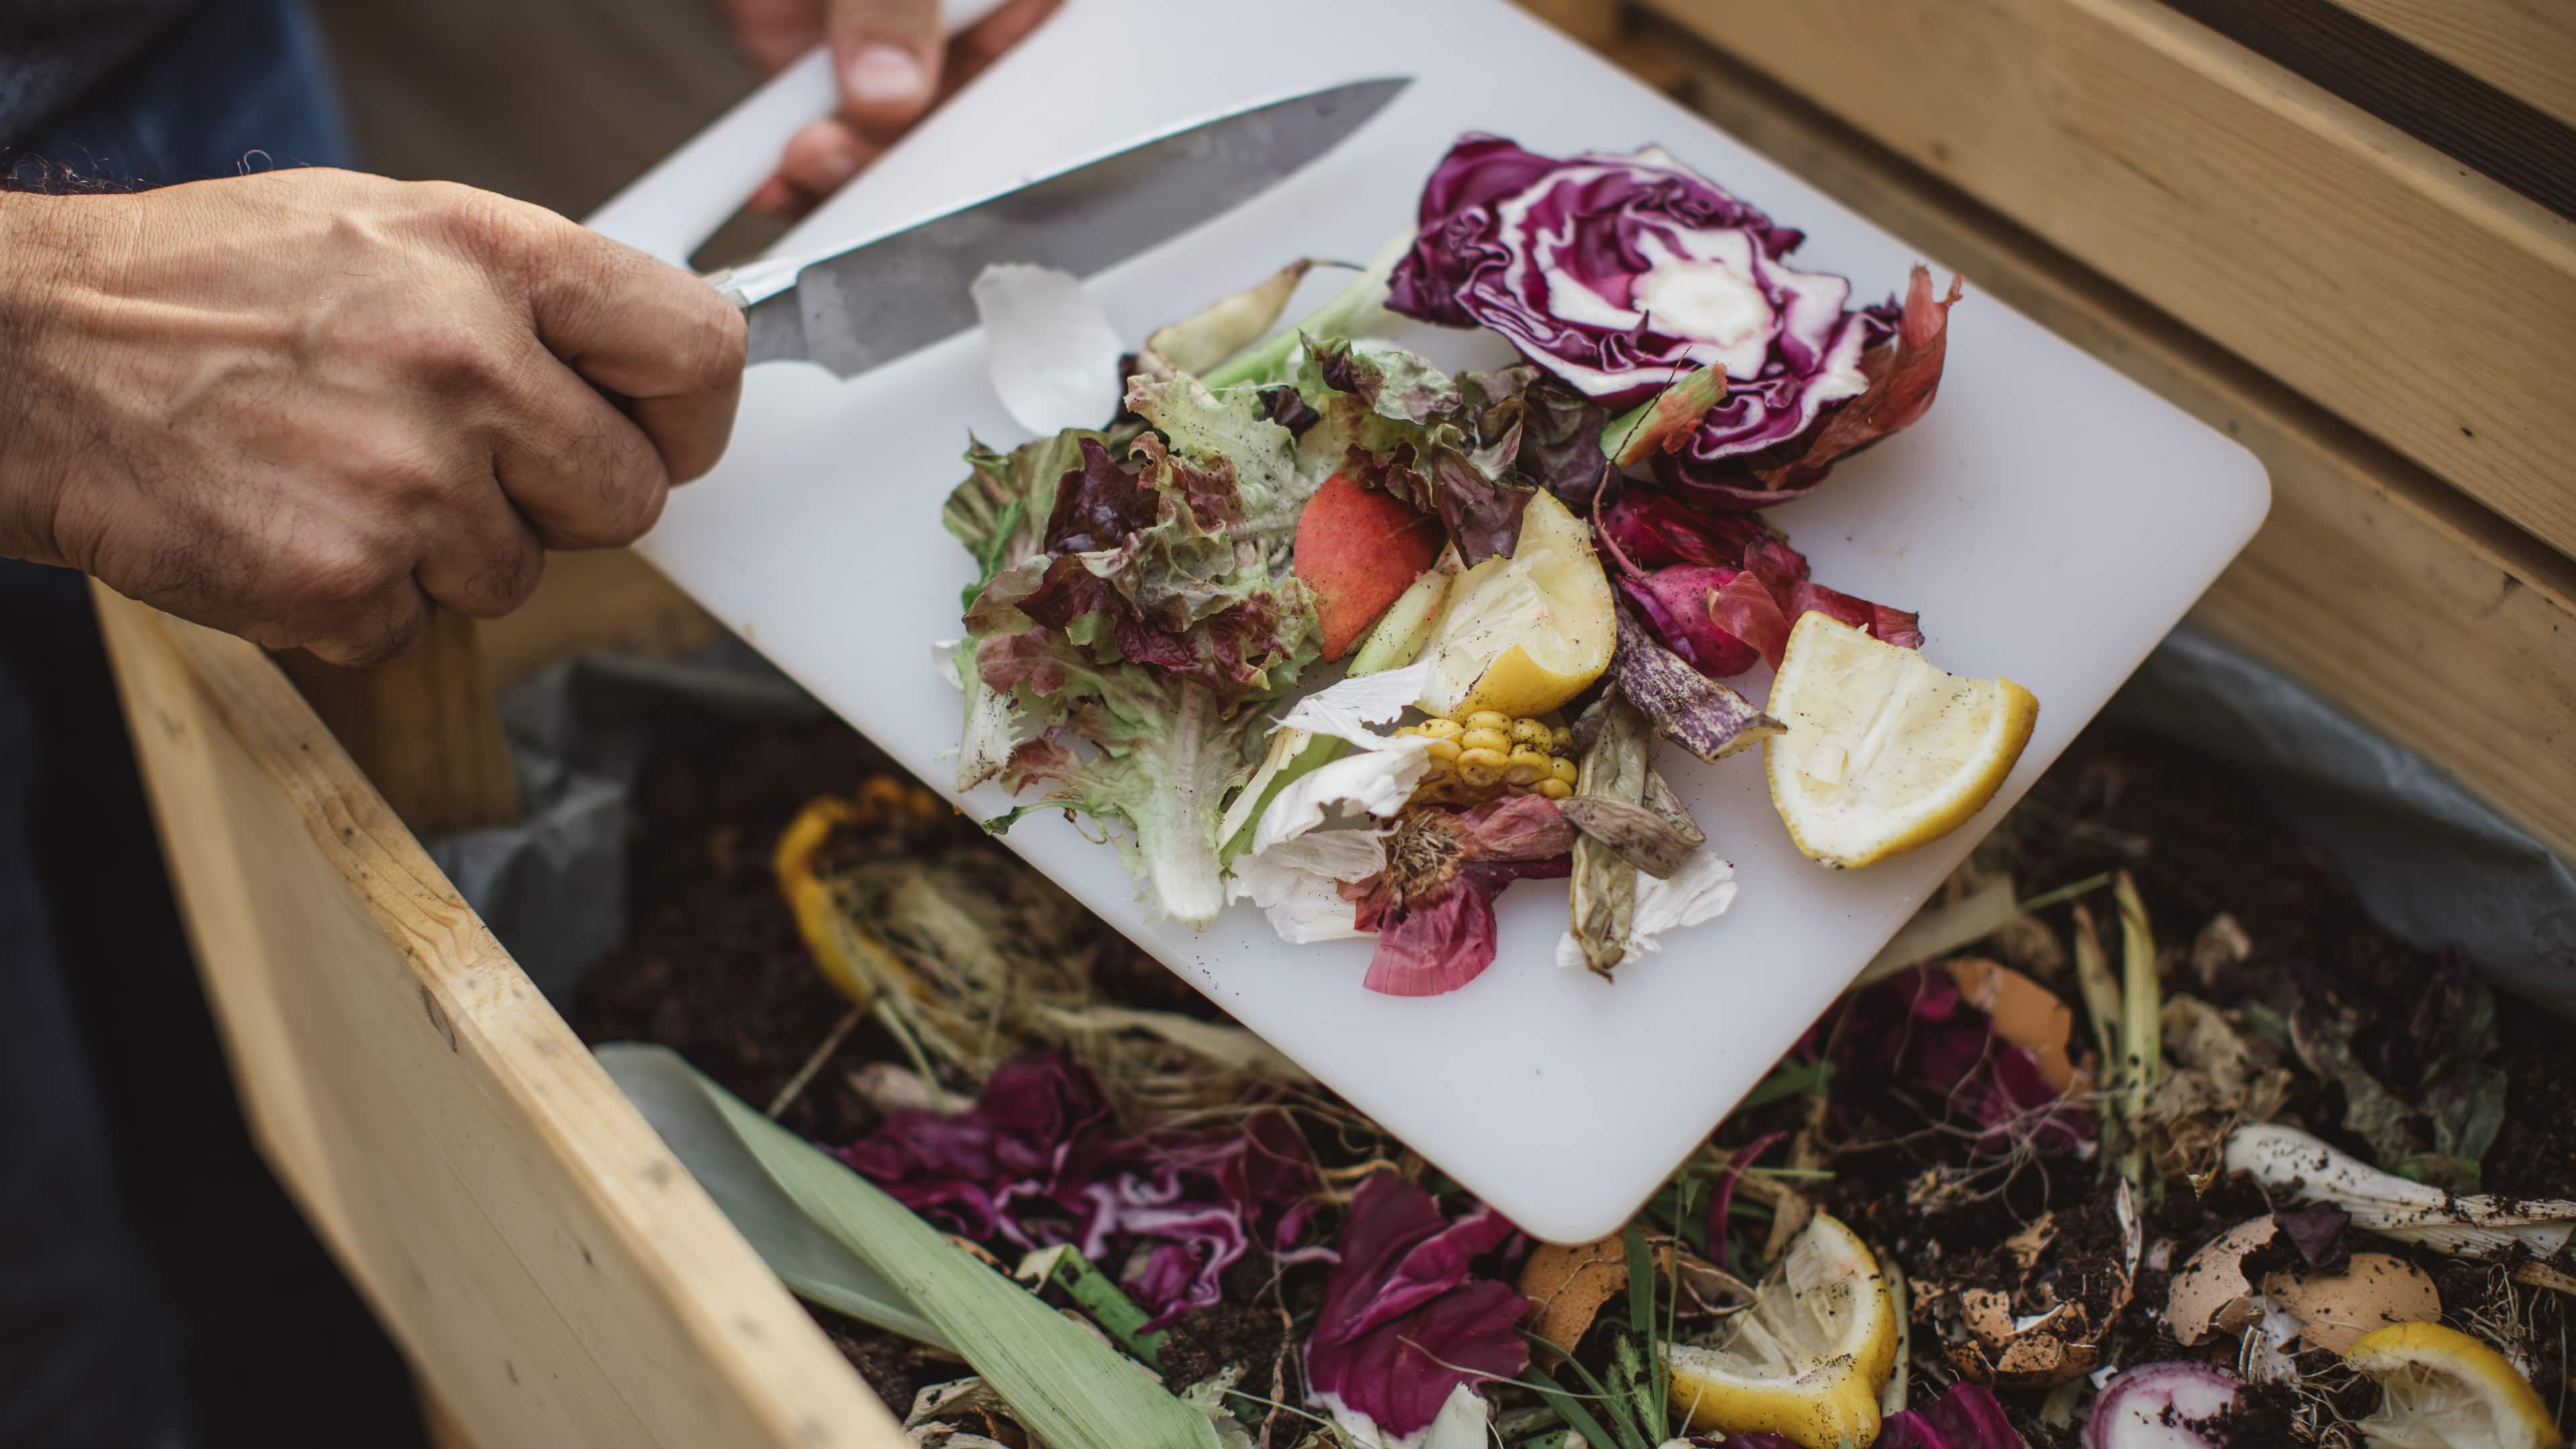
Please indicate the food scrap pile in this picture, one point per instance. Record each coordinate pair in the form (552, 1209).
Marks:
(2142, 1136)
(1552, 566)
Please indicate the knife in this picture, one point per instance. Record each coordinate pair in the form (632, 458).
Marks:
(867, 304)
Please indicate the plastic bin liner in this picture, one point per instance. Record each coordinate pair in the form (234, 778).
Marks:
(2432, 863)
(553, 886)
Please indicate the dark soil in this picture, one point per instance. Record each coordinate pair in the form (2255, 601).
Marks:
(894, 1366)
(715, 970)
(713, 967)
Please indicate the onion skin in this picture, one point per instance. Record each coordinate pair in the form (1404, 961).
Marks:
(2154, 1405)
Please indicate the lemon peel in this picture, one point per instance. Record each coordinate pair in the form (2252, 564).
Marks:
(1884, 752)
(1806, 1361)
(1524, 634)
(2442, 1389)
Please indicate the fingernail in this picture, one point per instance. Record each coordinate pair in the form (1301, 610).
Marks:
(885, 75)
(837, 162)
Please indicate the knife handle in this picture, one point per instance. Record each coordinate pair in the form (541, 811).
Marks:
(672, 209)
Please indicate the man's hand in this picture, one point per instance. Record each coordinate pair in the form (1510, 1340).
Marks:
(894, 61)
(307, 406)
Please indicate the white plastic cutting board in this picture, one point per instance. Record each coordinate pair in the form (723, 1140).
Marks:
(2050, 520)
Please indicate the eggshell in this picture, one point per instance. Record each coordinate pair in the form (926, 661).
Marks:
(2210, 1294)
(2335, 1309)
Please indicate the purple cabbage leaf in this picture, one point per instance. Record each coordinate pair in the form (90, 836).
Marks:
(1403, 1322)
(1038, 1161)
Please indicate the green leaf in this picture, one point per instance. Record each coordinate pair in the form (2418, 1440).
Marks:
(1068, 1386)
(1962, 923)
(1786, 1082)
(1106, 1303)
(815, 1266)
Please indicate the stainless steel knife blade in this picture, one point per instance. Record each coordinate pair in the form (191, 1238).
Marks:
(894, 294)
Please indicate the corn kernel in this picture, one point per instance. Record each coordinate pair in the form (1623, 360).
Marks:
(1489, 719)
(1532, 732)
(1442, 752)
(1563, 769)
(1436, 728)
(1528, 767)
(1477, 737)
(1481, 767)
(1554, 789)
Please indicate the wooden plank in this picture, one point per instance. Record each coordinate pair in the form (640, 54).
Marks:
(1594, 22)
(611, 599)
(2427, 97)
(2423, 303)
(2428, 617)
(2526, 48)
(440, 1423)
(426, 728)
(552, 1271)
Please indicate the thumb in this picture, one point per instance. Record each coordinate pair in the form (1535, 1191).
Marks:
(887, 56)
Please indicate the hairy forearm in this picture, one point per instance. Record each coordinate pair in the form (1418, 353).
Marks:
(53, 251)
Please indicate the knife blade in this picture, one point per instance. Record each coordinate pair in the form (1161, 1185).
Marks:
(891, 295)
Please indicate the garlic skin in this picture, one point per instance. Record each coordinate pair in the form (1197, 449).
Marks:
(2309, 1169)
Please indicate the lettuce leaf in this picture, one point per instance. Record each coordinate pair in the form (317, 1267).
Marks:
(1394, 422)
(1136, 611)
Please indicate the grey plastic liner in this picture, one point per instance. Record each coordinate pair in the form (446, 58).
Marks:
(2432, 863)
(553, 886)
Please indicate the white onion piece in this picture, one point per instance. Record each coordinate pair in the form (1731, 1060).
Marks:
(1052, 353)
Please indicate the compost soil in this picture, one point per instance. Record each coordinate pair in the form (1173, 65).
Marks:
(714, 969)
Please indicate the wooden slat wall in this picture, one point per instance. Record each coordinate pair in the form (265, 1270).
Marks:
(2526, 48)
(2424, 303)
(551, 1270)
(2434, 620)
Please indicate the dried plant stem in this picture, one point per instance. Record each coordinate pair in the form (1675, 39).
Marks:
(2141, 1062)
(2101, 990)
(796, 1084)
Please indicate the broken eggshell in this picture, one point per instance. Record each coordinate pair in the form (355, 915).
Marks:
(2056, 1341)
(2212, 1295)
(2053, 1341)
(2335, 1309)
(1567, 1285)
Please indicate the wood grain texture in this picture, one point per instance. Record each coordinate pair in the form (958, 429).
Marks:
(2427, 97)
(2423, 303)
(1594, 22)
(2524, 47)
(553, 1273)
(2426, 616)
(440, 1423)
(426, 728)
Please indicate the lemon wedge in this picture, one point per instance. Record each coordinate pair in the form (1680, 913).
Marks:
(1883, 752)
(1524, 634)
(2441, 1389)
(1807, 1359)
